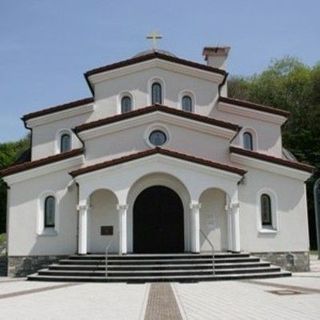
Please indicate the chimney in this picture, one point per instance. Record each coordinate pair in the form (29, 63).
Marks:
(216, 56)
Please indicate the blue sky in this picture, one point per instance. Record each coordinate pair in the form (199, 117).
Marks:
(46, 46)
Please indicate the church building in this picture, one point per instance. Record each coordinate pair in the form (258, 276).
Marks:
(158, 162)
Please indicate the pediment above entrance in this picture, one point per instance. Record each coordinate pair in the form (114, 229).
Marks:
(118, 175)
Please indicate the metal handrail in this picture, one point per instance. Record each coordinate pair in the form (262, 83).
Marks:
(106, 257)
(212, 250)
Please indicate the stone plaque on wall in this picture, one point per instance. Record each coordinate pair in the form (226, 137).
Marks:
(106, 230)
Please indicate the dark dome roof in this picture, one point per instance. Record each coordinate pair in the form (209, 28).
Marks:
(143, 53)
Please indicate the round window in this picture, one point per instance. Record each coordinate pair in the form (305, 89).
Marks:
(157, 138)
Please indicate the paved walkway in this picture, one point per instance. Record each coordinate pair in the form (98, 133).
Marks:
(291, 298)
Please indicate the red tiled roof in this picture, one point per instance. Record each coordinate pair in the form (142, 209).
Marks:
(41, 162)
(254, 106)
(58, 108)
(154, 108)
(157, 150)
(280, 161)
(150, 56)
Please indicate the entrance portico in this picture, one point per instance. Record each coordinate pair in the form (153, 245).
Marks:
(187, 179)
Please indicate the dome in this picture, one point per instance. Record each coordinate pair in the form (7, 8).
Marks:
(146, 52)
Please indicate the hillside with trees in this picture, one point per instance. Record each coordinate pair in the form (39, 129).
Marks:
(10, 152)
(286, 84)
(293, 86)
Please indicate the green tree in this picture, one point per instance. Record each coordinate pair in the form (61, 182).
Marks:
(290, 85)
(9, 153)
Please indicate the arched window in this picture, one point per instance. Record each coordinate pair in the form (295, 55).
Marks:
(49, 212)
(65, 142)
(247, 141)
(186, 103)
(266, 210)
(156, 93)
(126, 104)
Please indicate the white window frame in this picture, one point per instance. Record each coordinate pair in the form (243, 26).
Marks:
(153, 80)
(59, 134)
(189, 93)
(254, 135)
(274, 228)
(41, 229)
(154, 127)
(119, 100)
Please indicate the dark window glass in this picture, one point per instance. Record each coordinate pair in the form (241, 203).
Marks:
(49, 212)
(126, 104)
(65, 142)
(157, 138)
(247, 141)
(187, 104)
(156, 93)
(266, 210)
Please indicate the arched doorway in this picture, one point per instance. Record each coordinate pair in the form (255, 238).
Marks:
(158, 225)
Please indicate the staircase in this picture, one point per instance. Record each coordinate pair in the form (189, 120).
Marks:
(186, 267)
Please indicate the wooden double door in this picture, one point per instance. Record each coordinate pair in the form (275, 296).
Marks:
(158, 221)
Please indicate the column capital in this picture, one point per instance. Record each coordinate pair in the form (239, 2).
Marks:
(232, 207)
(194, 205)
(122, 207)
(83, 207)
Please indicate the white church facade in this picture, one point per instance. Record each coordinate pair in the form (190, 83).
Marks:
(158, 160)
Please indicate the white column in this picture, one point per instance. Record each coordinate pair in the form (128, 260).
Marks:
(229, 226)
(235, 223)
(195, 226)
(122, 210)
(83, 229)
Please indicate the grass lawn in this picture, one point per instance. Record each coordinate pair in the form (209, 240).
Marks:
(2, 238)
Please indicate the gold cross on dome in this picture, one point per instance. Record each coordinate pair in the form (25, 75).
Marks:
(154, 36)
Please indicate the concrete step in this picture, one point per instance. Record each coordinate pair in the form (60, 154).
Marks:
(157, 266)
(159, 261)
(157, 272)
(181, 278)
(165, 256)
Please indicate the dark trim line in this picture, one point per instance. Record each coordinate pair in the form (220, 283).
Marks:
(150, 152)
(154, 108)
(41, 162)
(58, 108)
(154, 55)
(280, 161)
(255, 106)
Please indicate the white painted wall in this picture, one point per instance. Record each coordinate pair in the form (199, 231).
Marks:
(292, 233)
(45, 138)
(138, 84)
(25, 211)
(267, 135)
(103, 212)
(213, 220)
(134, 139)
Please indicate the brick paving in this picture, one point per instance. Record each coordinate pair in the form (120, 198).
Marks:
(243, 300)
(291, 298)
(162, 303)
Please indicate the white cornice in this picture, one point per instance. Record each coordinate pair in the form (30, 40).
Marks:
(157, 116)
(250, 113)
(157, 63)
(163, 160)
(270, 167)
(60, 115)
(66, 164)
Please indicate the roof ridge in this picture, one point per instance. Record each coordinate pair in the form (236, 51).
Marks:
(57, 108)
(156, 150)
(149, 56)
(265, 157)
(154, 108)
(40, 162)
(256, 106)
